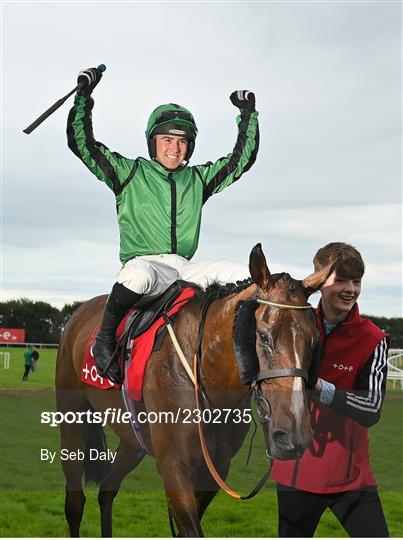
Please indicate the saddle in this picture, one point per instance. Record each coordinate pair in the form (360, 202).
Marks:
(140, 333)
(143, 317)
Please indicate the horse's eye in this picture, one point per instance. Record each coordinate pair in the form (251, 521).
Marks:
(264, 338)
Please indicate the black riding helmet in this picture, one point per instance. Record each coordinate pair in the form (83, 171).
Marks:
(171, 119)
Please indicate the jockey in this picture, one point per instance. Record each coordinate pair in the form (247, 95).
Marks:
(159, 203)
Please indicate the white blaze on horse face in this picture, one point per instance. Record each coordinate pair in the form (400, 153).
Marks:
(298, 363)
(297, 398)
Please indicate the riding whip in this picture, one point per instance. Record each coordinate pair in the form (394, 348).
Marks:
(58, 104)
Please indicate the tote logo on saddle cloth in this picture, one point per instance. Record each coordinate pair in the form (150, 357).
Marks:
(89, 372)
(141, 349)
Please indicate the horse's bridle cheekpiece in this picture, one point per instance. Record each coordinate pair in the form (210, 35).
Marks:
(282, 372)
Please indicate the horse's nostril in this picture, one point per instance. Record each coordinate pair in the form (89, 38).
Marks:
(282, 440)
(287, 443)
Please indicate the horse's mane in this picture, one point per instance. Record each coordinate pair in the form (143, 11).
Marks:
(244, 325)
(216, 290)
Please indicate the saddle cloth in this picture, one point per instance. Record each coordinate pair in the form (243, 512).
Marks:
(138, 353)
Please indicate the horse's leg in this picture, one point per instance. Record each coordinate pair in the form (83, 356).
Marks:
(180, 495)
(229, 443)
(183, 506)
(211, 488)
(127, 459)
(73, 437)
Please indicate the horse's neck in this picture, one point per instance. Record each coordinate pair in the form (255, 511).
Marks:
(219, 366)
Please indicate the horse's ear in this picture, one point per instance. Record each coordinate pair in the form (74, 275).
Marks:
(258, 267)
(315, 281)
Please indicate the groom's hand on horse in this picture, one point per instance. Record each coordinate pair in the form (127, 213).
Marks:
(317, 389)
(87, 80)
(243, 99)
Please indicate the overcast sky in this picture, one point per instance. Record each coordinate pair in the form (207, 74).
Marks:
(327, 81)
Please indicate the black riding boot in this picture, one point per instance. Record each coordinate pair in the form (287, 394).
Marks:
(119, 302)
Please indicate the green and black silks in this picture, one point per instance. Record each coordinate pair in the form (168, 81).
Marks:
(159, 211)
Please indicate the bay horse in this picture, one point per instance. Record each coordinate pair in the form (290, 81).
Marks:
(264, 322)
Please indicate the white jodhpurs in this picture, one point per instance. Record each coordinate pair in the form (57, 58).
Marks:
(151, 275)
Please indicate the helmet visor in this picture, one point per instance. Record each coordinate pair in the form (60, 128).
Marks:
(179, 129)
(167, 119)
(167, 116)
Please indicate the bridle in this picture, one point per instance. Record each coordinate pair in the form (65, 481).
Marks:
(282, 372)
(263, 405)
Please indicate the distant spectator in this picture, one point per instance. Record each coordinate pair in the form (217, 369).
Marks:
(28, 362)
(35, 358)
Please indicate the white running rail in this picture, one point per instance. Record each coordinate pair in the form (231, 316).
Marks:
(6, 359)
(395, 367)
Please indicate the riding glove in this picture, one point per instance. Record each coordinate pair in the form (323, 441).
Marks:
(243, 99)
(87, 80)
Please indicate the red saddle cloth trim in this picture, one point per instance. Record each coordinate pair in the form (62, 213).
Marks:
(89, 371)
(142, 348)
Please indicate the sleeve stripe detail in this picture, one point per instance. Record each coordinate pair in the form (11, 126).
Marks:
(373, 401)
(232, 164)
(128, 179)
(71, 140)
(377, 363)
(94, 149)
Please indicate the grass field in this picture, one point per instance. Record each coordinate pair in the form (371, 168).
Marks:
(32, 492)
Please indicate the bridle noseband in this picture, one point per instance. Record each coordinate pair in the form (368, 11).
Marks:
(288, 306)
(282, 372)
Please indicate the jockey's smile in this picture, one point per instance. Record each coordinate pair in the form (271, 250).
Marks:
(171, 150)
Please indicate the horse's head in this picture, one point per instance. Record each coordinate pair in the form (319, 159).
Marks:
(279, 353)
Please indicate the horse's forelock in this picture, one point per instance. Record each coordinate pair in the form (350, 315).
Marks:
(244, 338)
(284, 278)
(289, 281)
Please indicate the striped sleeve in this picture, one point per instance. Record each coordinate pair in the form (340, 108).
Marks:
(227, 170)
(109, 167)
(364, 403)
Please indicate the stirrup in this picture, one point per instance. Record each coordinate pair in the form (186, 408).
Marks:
(108, 370)
(115, 377)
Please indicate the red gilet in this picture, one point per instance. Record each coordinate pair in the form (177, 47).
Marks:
(338, 458)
